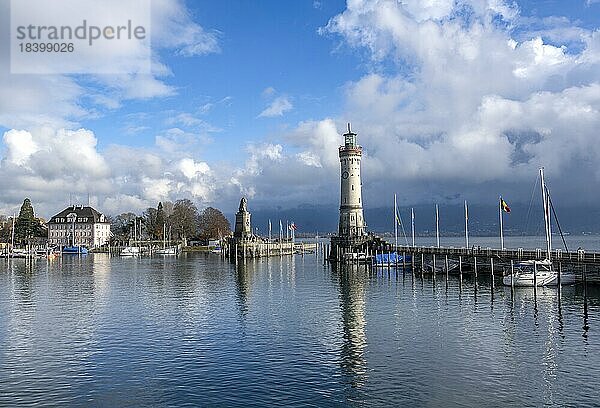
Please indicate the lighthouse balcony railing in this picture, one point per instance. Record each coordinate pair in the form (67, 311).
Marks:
(356, 148)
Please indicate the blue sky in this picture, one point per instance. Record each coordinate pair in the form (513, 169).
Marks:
(276, 45)
(452, 100)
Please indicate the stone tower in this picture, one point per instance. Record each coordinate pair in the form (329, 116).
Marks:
(243, 229)
(352, 222)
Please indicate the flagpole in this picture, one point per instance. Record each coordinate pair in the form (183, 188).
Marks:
(466, 224)
(412, 218)
(437, 225)
(395, 223)
(269, 230)
(501, 226)
(280, 230)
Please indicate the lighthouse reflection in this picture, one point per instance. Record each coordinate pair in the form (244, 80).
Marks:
(352, 307)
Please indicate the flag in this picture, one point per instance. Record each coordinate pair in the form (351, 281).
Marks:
(293, 227)
(504, 206)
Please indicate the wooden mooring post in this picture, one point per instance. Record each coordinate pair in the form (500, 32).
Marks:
(492, 271)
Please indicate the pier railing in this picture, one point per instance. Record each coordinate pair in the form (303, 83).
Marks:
(581, 256)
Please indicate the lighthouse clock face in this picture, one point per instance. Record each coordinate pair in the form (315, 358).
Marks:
(345, 175)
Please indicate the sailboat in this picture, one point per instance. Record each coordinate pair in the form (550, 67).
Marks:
(132, 250)
(167, 250)
(539, 272)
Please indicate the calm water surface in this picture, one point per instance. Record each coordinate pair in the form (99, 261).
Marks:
(195, 331)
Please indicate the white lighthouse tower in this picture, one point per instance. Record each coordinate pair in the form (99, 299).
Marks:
(352, 222)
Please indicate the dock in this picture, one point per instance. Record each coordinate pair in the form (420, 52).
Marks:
(433, 259)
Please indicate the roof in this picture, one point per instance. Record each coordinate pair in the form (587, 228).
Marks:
(90, 214)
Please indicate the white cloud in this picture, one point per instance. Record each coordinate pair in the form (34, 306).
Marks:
(277, 107)
(50, 165)
(62, 100)
(189, 120)
(479, 108)
(268, 92)
(20, 146)
(191, 169)
(173, 27)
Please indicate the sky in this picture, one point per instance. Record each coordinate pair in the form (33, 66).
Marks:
(451, 100)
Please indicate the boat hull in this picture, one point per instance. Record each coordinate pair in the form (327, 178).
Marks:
(542, 279)
(130, 251)
(74, 250)
(171, 251)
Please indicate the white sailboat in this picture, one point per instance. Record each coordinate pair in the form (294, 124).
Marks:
(132, 250)
(535, 272)
(167, 250)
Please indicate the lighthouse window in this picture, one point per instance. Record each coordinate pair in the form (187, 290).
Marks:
(352, 186)
(359, 200)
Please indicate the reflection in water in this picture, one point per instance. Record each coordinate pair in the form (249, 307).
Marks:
(242, 287)
(546, 306)
(352, 305)
(196, 331)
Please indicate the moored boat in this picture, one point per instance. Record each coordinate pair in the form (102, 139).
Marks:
(393, 258)
(172, 250)
(130, 251)
(539, 272)
(74, 250)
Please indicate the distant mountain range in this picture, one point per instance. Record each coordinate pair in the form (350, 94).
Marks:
(483, 219)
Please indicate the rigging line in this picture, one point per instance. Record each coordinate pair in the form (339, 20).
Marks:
(401, 225)
(528, 217)
(557, 223)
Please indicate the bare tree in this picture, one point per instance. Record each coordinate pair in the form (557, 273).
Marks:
(213, 224)
(184, 219)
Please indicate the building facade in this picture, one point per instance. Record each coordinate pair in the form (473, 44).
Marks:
(352, 222)
(78, 225)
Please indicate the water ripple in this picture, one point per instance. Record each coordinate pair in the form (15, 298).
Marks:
(195, 331)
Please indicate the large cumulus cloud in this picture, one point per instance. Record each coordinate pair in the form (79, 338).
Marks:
(462, 99)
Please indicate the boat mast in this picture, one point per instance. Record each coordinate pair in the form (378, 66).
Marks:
(501, 226)
(395, 223)
(466, 225)
(546, 214)
(412, 225)
(437, 225)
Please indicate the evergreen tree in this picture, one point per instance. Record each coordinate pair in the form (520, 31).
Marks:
(160, 221)
(27, 226)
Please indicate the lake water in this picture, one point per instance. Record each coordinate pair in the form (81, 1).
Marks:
(197, 331)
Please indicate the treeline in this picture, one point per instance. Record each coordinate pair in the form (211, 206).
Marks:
(181, 220)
